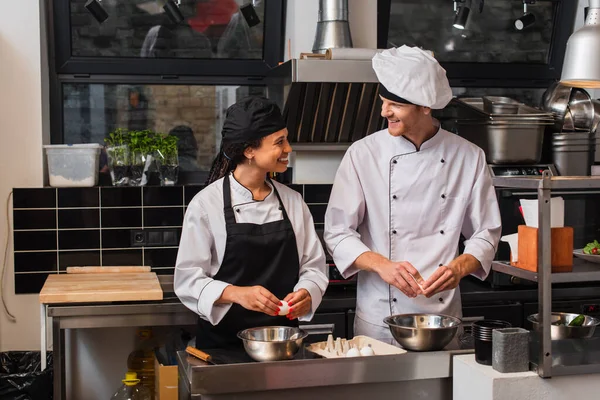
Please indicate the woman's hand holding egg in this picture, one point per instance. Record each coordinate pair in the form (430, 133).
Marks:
(299, 303)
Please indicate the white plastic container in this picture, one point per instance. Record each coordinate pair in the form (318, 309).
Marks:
(73, 165)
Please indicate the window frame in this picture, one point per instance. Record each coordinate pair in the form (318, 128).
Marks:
(527, 75)
(65, 63)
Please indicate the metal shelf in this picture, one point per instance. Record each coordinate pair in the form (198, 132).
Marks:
(556, 182)
(582, 272)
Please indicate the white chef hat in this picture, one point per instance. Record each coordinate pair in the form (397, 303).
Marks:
(411, 75)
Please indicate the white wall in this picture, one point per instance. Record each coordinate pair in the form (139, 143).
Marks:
(21, 136)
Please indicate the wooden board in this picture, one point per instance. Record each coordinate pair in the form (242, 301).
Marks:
(105, 270)
(98, 288)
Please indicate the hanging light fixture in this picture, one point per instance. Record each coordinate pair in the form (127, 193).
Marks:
(98, 12)
(462, 15)
(173, 12)
(581, 67)
(527, 19)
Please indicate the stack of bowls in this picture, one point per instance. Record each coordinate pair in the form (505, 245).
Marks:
(482, 336)
(573, 152)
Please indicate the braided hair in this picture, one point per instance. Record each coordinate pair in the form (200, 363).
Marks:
(229, 157)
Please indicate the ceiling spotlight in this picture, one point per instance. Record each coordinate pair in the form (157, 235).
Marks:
(461, 17)
(97, 11)
(527, 19)
(173, 12)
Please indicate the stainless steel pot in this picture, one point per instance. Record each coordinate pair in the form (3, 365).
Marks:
(272, 343)
(556, 99)
(423, 332)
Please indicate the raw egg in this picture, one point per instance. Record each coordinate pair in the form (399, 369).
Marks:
(284, 309)
(367, 351)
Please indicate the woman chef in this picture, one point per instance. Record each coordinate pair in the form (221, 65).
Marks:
(247, 242)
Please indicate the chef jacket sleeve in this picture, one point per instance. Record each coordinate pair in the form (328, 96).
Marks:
(482, 224)
(313, 269)
(345, 212)
(196, 290)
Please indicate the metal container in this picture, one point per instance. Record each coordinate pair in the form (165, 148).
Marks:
(582, 109)
(423, 332)
(500, 105)
(556, 99)
(507, 143)
(573, 161)
(558, 332)
(272, 343)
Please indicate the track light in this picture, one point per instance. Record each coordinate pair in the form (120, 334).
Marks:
(98, 12)
(527, 19)
(173, 12)
(461, 17)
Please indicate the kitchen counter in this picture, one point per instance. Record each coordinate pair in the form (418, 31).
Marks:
(414, 374)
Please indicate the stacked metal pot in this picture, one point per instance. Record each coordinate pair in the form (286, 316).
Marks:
(574, 132)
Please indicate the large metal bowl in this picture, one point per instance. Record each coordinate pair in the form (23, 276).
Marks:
(423, 332)
(272, 343)
(562, 331)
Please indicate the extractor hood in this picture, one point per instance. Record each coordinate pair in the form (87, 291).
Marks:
(327, 101)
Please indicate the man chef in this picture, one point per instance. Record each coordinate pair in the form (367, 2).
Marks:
(402, 197)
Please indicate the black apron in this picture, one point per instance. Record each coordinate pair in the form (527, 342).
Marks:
(264, 255)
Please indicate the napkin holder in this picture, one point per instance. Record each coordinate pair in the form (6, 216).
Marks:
(562, 249)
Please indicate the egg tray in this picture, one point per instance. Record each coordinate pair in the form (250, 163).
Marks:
(339, 347)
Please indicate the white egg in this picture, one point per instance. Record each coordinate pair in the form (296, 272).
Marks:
(285, 308)
(353, 352)
(367, 351)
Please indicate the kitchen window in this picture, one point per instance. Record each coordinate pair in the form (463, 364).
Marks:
(489, 51)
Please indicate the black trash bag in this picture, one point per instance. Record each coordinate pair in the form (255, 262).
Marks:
(21, 377)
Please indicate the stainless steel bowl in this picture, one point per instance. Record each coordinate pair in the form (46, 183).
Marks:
(272, 343)
(423, 332)
(556, 99)
(582, 109)
(562, 331)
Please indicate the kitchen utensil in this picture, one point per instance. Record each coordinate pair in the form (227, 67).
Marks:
(568, 124)
(563, 331)
(272, 343)
(587, 257)
(556, 99)
(106, 270)
(500, 105)
(596, 105)
(200, 355)
(482, 335)
(573, 160)
(582, 109)
(423, 332)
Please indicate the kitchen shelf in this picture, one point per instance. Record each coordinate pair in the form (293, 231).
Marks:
(556, 182)
(582, 272)
(573, 356)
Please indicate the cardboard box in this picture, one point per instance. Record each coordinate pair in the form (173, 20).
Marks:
(166, 381)
(562, 249)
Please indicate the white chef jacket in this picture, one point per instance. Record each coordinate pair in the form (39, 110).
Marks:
(203, 238)
(411, 205)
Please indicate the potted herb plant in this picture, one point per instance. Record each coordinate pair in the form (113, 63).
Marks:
(167, 160)
(118, 154)
(141, 144)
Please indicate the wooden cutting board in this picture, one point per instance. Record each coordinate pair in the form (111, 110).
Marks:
(105, 270)
(98, 288)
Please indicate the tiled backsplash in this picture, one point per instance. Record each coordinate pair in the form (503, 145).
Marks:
(58, 228)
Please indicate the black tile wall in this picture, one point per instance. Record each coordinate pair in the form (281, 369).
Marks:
(79, 239)
(164, 216)
(79, 218)
(79, 197)
(163, 196)
(35, 261)
(34, 219)
(95, 227)
(122, 257)
(35, 240)
(29, 283)
(121, 217)
(34, 198)
(191, 191)
(78, 259)
(121, 197)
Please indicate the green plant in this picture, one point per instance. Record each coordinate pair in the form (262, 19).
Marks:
(166, 147)
(141, 142)
(118, 137)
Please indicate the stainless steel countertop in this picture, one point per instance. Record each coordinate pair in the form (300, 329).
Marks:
(205, 379)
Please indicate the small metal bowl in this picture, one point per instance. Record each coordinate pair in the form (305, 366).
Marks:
(423, 332)
(558, 332)
(272, 343)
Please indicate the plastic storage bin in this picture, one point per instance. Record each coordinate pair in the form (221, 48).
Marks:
(73, 165)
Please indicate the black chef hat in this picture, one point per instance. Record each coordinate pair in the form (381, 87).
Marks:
(251, 118)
